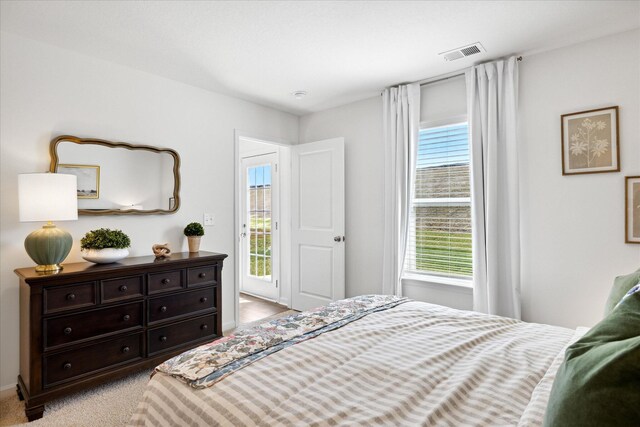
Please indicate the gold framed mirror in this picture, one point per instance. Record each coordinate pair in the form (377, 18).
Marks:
(118, 178)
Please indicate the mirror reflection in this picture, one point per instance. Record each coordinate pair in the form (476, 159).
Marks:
(119, 178)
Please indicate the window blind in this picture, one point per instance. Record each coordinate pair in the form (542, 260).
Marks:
(439, 241)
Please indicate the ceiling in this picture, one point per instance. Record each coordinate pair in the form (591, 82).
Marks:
(337, 51)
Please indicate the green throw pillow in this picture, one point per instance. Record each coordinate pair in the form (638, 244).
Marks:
(621, 286)
(598, 384)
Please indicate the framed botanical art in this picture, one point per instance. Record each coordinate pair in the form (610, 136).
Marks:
(88, 179)
(632, 209)
(590, 142)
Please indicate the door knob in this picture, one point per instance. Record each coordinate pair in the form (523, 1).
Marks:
(337, 239)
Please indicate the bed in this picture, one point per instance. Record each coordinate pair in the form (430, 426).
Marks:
(388, 361)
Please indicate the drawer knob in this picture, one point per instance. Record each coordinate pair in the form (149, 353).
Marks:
(71, 297)
(123, 288)
(67, 331)
(126, 317)
(202, 275)
(163, 338)
(165, 281)
(204, 327)
(203, 299)
(125, 349)
(66, 366)
(163, 308)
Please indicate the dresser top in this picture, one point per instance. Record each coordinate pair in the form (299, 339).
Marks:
(80, 268)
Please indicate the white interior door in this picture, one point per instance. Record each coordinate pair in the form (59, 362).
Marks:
(318, 225)
(259, 226)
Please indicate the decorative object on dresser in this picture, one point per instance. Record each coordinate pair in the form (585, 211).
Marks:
(104, 246)
(161, 250)
(93, 323)
(632, 209)
(590, 142)
(194, 232)
(47, 197)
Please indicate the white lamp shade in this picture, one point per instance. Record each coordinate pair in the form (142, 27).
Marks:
(47, 197)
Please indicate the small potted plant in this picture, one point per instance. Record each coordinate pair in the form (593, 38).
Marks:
(194, 231)
(104, 246)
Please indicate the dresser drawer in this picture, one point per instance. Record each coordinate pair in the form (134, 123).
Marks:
(178, 334)
(69, 297)
(165, 281)
(73, 363)
(201, 275)
(122, 288)
(91, 324)
(171, 306)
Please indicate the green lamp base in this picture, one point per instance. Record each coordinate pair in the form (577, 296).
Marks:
(48, 247)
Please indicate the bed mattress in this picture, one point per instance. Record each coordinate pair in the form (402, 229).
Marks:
(413, 364)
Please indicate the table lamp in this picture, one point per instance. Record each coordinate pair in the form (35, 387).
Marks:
(48, 197)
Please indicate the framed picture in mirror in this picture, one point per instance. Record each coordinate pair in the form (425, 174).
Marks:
(88, 179)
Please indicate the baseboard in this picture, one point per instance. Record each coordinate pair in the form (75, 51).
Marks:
(284, 301)
(227, 326)
(7, 390)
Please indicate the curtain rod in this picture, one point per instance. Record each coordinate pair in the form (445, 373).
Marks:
(448, 76)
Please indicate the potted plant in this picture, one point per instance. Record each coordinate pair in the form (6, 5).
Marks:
(103, 246)
(194, 231)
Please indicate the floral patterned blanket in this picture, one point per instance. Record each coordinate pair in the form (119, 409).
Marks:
(207, 364)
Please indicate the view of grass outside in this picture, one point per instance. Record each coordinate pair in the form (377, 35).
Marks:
(260, 246)
(443, 252)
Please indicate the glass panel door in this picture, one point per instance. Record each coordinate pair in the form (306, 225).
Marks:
(259, 221)
(259, 214)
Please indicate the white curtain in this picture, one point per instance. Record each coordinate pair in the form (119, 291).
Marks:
(492, 96)
(401, 124)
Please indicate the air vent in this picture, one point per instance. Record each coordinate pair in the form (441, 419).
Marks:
(462, 52)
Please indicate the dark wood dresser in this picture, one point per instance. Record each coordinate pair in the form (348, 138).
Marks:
(93, 323)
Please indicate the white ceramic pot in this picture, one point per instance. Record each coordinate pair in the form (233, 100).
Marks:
(104, 256)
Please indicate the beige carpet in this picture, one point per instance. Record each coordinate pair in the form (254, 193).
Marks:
(108, 405)
(111, 404)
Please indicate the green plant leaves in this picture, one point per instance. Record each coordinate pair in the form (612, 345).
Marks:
(105, 238)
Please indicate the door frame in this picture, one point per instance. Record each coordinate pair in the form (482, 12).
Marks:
(283, 148)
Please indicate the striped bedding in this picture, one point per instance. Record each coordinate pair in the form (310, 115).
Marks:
(413, 364)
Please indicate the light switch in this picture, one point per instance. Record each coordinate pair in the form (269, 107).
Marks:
(209, 219)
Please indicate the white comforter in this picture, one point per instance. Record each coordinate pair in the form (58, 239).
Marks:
(415, 364)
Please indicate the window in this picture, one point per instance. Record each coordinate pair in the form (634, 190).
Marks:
(439, 241)
(259, 180)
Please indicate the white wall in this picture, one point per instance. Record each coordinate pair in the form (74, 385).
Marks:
(46, 91)
(572, 227)
(443, 100)
(360, 124)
